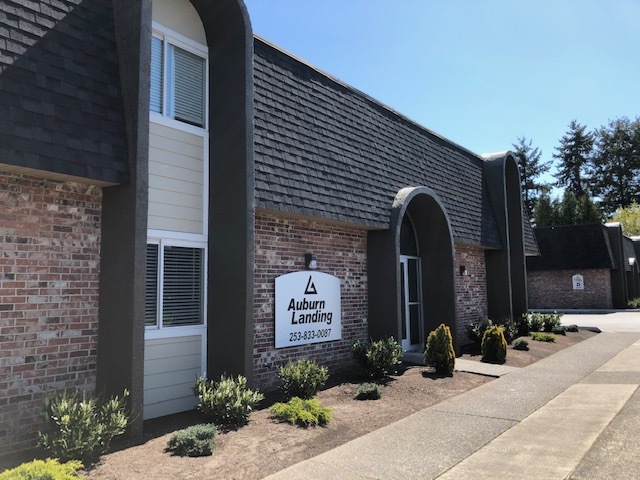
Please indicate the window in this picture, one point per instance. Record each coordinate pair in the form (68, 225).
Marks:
(178, 81)
(174, 286)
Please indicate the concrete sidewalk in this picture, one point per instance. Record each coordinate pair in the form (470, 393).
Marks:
(570, 415)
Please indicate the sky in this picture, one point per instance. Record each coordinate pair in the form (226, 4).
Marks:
(479, 72)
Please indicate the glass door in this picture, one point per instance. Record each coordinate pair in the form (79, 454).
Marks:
(411, 298)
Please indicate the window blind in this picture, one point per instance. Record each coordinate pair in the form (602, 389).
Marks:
(156, 74)
(151, 290)
(182, 286)
(189, 80)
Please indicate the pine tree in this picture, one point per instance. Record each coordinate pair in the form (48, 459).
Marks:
(574, 154)
(588, 212)
(617, 164)
(568, 208)
(545, 211)
(531, 168)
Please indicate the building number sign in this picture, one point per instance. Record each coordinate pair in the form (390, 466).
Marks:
(578, 282)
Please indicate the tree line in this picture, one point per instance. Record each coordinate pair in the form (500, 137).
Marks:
(599, 171)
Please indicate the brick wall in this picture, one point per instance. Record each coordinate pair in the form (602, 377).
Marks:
(554, 289)
(49, 260)
(471, 290)
(280, 247)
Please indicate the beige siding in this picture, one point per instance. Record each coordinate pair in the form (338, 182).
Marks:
(176, 174)
(181, 17)
(170, 369)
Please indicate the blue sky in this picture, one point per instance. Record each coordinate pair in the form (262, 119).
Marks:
(478, 72)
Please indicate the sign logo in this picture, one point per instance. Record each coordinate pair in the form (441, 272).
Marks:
(307, 309)
(578, 282)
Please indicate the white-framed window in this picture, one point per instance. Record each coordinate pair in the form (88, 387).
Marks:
(178, 78)
(175, 284)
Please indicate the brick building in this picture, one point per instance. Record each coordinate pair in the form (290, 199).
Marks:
(583, 266)
(160, 167)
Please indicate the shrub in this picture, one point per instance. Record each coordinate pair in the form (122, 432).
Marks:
(368, 391)
(378, 358)
(49, 469)
(536, 322)
(572, 328)
(301, 412)
(302, 378)
(476, 330)
(559, 330)
(80, 425)
(494, 345)
(550, 320)
(634, 303)
(228, 402)
(439, 352)
(542, 337)
(521, 344)
(193, 441)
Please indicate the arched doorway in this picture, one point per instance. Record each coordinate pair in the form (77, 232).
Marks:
(410, 288)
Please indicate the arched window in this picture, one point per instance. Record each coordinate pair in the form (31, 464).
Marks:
(408, 243)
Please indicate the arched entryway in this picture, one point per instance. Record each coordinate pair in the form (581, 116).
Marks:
(411, 270)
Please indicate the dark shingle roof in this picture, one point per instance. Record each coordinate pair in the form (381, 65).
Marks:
(572, 246)
(61, 108)
(323, 149)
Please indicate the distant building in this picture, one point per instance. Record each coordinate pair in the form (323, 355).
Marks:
(583, 266)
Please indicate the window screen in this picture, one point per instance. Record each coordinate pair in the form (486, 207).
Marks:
(156, 74)
(182, 289)
(189, 76)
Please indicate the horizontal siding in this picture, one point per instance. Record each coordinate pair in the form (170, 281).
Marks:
(176, 180)
(171, 366)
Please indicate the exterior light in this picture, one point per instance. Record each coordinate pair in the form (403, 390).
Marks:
(310, 261)
(463, 271)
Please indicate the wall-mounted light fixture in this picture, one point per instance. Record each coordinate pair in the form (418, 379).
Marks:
(310, 261)
(464, 271)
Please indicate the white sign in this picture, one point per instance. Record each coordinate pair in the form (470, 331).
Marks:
(307, 308)
(578, 282)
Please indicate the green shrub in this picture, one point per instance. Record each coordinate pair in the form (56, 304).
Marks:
(550, 321)
(521, 344)
(536, 322)
(304, 413)
(439, 352)
(378, 358)
(80, 426)
(368, 391)
(228, 402)
(572, 328)
(494, 345)
(49, 469)
(542, 337)
(476, 330)
(302, 378)
(634, 303)
(193, 441)
(559, 330)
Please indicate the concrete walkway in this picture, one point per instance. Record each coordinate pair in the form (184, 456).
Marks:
(574, 414)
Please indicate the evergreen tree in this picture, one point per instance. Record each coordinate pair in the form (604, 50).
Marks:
(531, 168)
(617, 164)
(571, 210)
(574, 154)
(588, 212)
(568, 214)
(545, 211)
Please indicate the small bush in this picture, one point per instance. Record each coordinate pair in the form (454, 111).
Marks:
(634, 303)
(559, 330)
(494, 345)
(49, 469)
(521, 344)
(193, 441)
(476, 330)
(551, 320)
(536, 322)
(368, 391)
(80, 425)
(228, 402)
(572, 328)
(302, 378)
(378, 358)
(439, 352)
(304, 413)
(542, 337)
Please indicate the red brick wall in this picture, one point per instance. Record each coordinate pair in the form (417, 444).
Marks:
(49, 260)
(280, 245)
(554, 289)
(471, 290)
